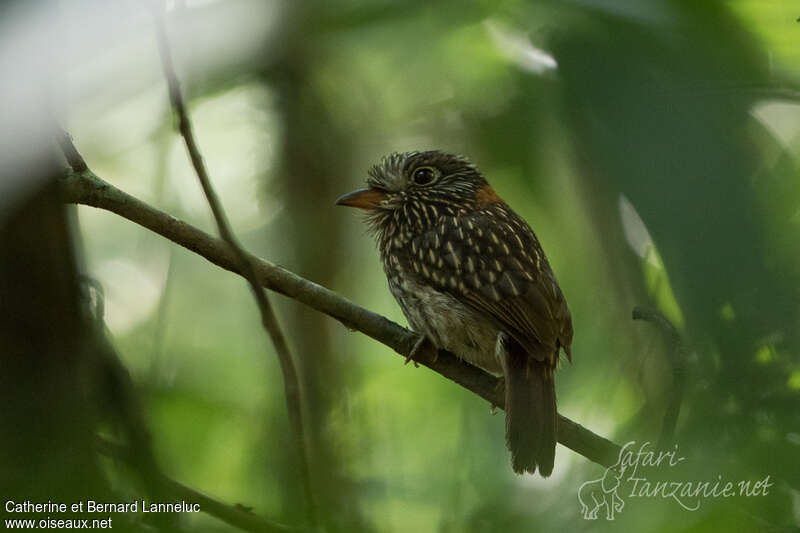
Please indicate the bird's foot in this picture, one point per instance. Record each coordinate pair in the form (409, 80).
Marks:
(499, 388)
(422, 344)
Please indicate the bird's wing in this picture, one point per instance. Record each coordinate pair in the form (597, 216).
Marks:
(492, 260)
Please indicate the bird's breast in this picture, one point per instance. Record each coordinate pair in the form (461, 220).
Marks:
(450, 324)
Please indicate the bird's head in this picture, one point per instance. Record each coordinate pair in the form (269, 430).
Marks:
(411, 191)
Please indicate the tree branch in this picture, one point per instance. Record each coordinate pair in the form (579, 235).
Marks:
(244, 266)
(677, 359)
(234, 515)
(74, 158)
(88, 189)
(120, 400)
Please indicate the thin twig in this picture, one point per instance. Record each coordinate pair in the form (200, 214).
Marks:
(88, 189)
(74, 158)
(268, 318)
(677, 359)
(235, 515)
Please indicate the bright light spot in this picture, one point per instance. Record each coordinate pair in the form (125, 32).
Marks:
(636, 232)
(237, 139)
(794, 380)
(782, 119)
(764, 355)
(727, 313)
(131, 292)
(517, 47)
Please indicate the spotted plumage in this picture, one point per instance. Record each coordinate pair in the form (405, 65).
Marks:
(471, 276)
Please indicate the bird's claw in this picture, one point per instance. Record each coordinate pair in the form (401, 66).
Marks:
(423, 343)
(500, 386)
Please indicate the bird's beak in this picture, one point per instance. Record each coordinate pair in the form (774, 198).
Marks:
(366, 198)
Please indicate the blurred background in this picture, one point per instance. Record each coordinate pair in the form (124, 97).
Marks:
(653, 147)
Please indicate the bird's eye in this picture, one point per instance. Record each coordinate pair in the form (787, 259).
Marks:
(424, 175)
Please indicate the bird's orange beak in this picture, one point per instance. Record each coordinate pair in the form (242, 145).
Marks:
(366, 198)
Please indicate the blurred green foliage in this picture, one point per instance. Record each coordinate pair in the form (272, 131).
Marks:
(685, 112)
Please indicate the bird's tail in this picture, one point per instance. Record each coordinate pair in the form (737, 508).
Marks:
(530, 412)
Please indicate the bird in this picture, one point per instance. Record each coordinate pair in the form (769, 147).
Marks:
(471, 278)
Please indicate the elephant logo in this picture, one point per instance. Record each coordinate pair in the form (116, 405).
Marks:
(595, 494)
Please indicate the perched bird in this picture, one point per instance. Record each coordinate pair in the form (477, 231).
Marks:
(471, 277)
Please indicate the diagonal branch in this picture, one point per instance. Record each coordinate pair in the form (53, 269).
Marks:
(234, 515)
(88, 189)
(677, 359)
(244, 266)
(123, 409)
